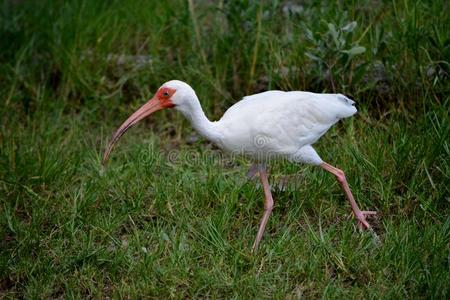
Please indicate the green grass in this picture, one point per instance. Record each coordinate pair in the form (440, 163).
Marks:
(173, 218)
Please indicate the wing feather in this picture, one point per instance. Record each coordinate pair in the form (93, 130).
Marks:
(286, 121)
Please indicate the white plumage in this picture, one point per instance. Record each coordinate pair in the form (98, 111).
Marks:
(277, 123)
(263, 126)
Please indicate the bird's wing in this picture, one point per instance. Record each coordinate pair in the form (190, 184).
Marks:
(286, 120)
(253, 100)
(323, 108)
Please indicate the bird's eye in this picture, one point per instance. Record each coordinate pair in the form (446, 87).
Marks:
(166, 94)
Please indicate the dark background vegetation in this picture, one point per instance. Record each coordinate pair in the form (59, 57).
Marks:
(72, 71)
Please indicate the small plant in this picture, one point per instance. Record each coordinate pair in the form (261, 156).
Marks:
(333, 52)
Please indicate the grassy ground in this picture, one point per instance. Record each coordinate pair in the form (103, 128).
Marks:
(171, 216)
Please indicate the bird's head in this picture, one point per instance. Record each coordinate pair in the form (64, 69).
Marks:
(172, 94)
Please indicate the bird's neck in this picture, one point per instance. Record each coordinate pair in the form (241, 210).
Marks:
(194, 113)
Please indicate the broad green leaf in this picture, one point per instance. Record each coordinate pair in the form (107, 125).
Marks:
(309, 34)
(349, 27)
(334, 33)
(355, 50)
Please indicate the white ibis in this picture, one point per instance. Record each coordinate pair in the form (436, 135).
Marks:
(262, 126)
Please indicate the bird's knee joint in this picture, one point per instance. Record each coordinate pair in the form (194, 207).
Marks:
(340, 175)
(268, 207)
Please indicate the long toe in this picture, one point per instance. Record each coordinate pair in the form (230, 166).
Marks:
(363, 224)
(361, 217)
(369, 212)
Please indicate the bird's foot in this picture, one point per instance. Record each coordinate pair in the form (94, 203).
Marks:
(361, 217)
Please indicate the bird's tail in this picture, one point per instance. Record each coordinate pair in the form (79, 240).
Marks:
(348, 108)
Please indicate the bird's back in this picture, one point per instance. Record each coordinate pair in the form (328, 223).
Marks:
(331, 104)
(281, 122)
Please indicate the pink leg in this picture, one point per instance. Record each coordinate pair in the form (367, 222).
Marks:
(360, 215)
(268, 206)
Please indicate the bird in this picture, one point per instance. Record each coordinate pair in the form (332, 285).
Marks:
(265, 126)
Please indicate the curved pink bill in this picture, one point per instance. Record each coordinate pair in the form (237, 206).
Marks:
(148, 108)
